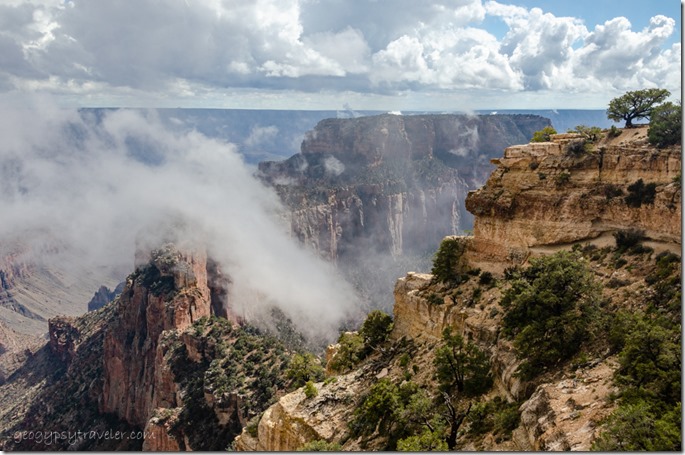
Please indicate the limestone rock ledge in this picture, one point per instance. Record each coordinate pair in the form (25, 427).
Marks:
(565, 415)
(296, 420)
(542, 194)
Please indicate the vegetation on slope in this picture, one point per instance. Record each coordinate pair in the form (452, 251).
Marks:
(549, 308)
(561, 312)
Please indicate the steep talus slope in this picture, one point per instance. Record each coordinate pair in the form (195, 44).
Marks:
(15, 348)
(33, 291)
(519, 214)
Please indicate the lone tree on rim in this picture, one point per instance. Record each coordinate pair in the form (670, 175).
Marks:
(635, 105)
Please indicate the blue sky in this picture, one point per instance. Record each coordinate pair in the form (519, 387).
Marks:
(324, 54)
(594, 12)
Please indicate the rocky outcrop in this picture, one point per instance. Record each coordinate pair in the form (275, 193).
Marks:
(296, 420)
(104, 295)
(565, 415)
(169, 294)
(64, 336)
(12, 268)
(544, 194)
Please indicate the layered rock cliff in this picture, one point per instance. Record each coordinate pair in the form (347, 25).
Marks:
(525, 209)
(552, 193)
(389, 184)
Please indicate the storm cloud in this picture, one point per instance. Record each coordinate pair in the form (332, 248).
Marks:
(191, 51)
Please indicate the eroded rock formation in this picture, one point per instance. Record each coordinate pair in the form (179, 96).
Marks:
(169, 294)
(525, 208)
(389, 184)
(544, 194)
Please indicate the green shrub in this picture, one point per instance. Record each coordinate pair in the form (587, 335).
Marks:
(638, 427)
(320, 445)
(544, 135)
(253, 426)
(426, 441)
(486, 279)
(461, 367)
(376, 328)
(590, 133)
(507, 418)
(649, 376)
(620, 262)
(578, 147)
(665, 125)
(377, 409)
(678, 179)
(310, 390)
(650, 362)
(628, 238)
(475, 297)
(496, 415)
(449, 264)
(302, 368)
(611, 191)
(350, 353)
(548, 309)
(435, 299)
(614, 132)
(562, 178)
(639, 193)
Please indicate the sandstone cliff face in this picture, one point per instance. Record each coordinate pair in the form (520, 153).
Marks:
(541, 194)
(389, 184)
(156, 363)
(169, 294)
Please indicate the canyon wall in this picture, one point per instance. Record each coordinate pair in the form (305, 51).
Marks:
(389, 184)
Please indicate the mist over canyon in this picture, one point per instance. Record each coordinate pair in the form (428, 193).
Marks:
(376, 194)
(84, 190)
